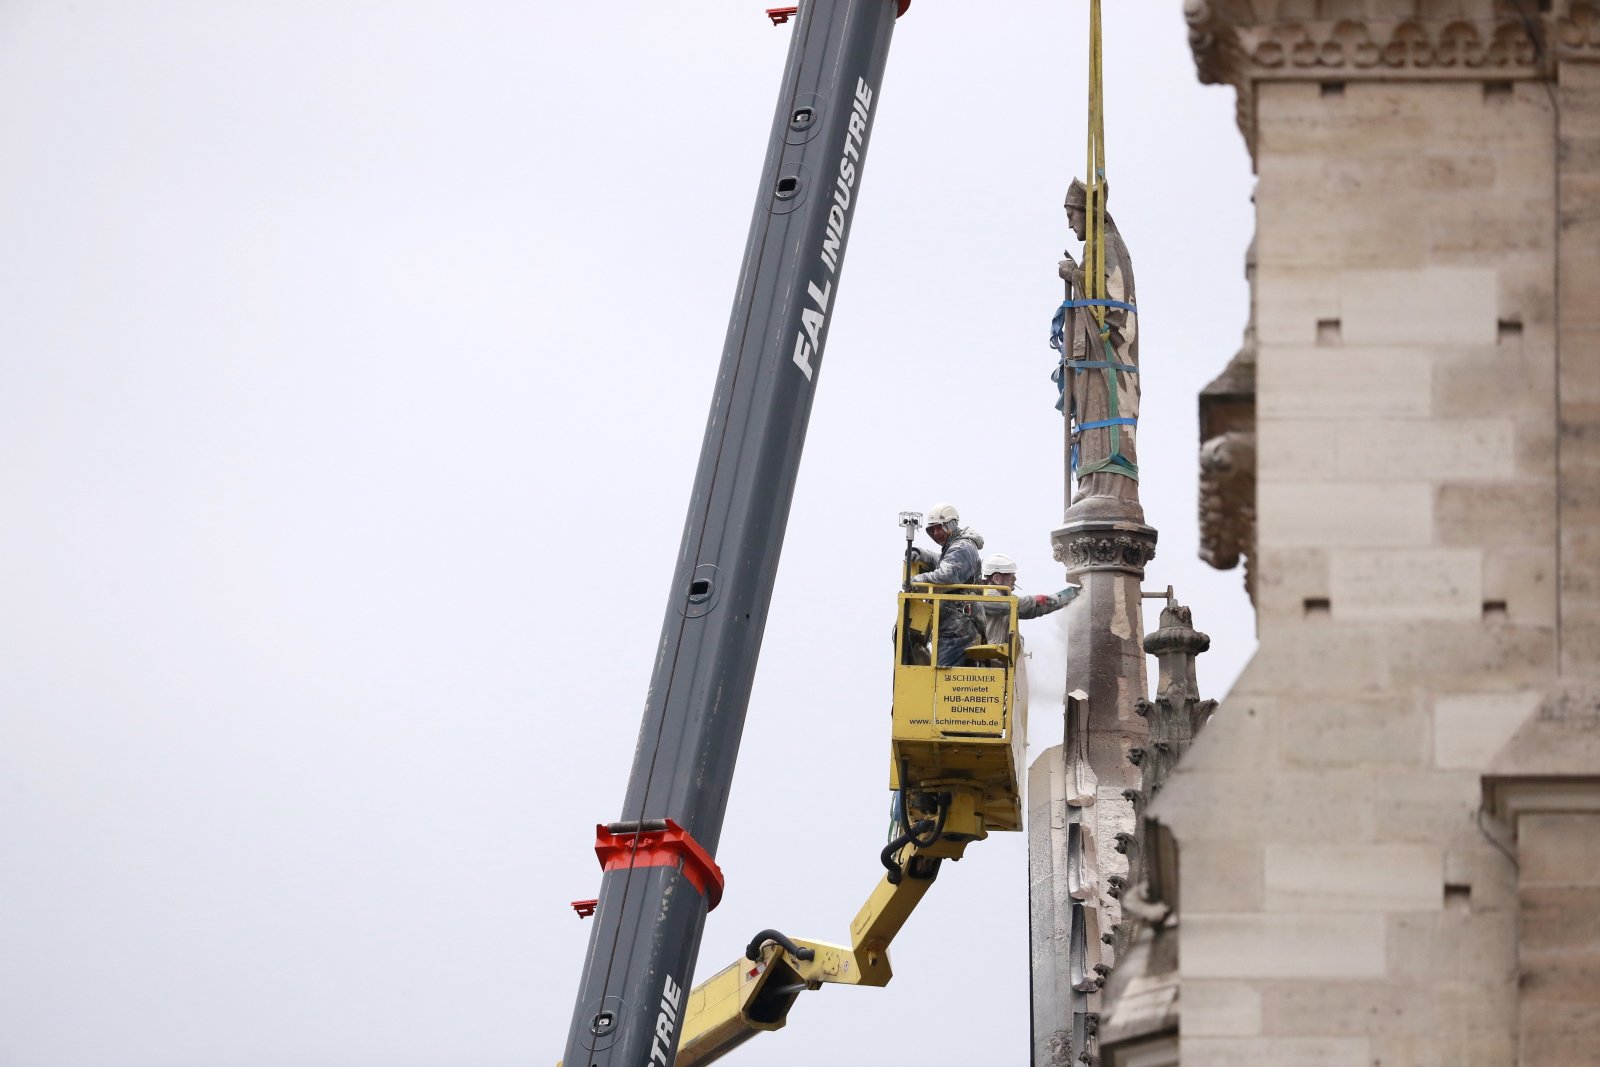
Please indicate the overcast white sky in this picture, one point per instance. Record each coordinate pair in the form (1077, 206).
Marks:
(354, 361)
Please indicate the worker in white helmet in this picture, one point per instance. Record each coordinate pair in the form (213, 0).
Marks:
(957, 563)
(1000, 570)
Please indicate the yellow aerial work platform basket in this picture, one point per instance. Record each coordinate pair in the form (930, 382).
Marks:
(965, 726)
(956, 761)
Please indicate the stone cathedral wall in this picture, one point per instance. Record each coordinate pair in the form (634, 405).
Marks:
(1389, 835)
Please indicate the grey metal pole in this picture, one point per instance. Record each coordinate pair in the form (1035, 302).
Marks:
(655, 893)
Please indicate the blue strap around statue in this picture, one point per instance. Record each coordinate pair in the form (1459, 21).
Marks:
(1058, 330)
(1058, 341)
(1103, 423)
(1086, 364)
(1098, 304)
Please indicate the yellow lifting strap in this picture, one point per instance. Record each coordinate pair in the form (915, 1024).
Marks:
(1094, 245)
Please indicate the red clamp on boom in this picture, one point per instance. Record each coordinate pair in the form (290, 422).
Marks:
(659, 843)
(780, 15)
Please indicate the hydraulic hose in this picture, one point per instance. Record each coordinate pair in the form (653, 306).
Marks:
(889, 850)
(753, 952)
(905, 810)
(938, 825)
(906, 829)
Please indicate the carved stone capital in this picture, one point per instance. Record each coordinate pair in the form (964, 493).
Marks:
(1177, 634)
(1099, 545)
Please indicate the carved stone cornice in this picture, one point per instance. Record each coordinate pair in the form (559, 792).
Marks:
(1575, 31)
(1495, 47)
(1104, 546)
(1242, 42)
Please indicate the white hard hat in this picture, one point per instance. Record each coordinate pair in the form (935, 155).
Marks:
(999, 563)
(940, 514)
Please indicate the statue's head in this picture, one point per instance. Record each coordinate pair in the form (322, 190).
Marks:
(1077, 205)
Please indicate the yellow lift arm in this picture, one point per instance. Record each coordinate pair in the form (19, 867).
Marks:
(956, 756)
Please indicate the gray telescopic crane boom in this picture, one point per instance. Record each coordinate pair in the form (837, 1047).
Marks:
(660, 878)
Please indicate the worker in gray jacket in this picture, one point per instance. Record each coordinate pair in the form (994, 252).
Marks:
(957, 563)
(1001, 571)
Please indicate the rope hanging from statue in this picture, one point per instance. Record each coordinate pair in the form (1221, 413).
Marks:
(1095, 297)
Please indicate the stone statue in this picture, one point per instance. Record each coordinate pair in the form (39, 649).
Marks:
(1101, 469)
(1104, 545)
